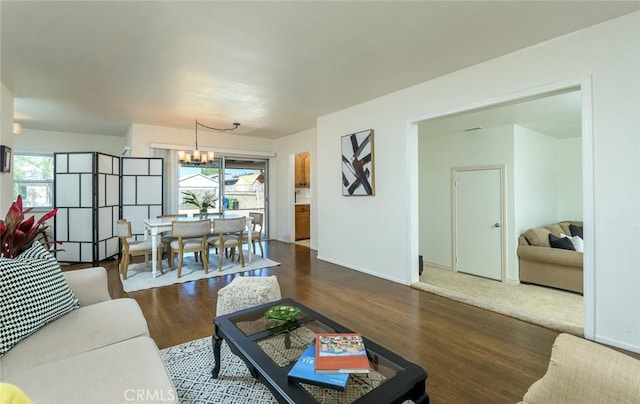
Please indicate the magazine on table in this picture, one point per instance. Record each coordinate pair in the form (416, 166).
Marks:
(341, 353)
(304, 371)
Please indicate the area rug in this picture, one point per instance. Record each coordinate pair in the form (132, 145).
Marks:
(190, 366)
(139, 275)
(551, 308)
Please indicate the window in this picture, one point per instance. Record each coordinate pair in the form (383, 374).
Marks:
(33, 179)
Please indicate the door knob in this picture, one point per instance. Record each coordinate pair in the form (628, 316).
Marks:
(496, 225)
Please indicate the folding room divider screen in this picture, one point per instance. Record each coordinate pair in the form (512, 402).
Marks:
(141, 191)
(91, 191)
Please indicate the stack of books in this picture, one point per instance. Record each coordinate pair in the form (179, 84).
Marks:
(329, 362)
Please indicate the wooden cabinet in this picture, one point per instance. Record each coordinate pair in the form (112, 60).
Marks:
(303, 170)
(303, 222)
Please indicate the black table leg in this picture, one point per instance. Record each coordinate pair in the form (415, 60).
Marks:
(216, 341)
(423, 399)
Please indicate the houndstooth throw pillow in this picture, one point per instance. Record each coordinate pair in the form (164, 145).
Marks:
(33, 292)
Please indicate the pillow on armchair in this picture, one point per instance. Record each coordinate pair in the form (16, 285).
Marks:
(33, 292)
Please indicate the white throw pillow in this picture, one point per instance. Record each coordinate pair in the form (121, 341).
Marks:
(577, 242)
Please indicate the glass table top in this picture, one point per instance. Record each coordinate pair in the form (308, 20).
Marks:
(284, 341)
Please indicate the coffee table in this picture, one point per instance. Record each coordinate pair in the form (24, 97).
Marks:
(270, 348)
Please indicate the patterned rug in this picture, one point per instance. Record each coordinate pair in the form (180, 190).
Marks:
(190, 365)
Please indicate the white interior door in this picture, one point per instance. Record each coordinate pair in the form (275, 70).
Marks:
(478, 222)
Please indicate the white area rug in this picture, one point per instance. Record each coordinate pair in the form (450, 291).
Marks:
(139, 275)
(551, 308)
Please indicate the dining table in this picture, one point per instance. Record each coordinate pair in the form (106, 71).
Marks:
(153, 227)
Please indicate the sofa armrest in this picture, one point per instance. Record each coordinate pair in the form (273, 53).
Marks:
(550, 255)
(582, 371)
(89, 285)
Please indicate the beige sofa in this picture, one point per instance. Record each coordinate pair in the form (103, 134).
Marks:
(99, 353)
(543, 265)
(583, 372)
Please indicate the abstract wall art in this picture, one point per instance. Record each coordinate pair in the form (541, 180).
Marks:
(357, 164)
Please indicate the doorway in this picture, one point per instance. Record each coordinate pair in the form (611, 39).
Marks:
(582, 90)
(302, 198)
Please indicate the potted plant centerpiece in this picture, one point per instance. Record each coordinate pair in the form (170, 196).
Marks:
(206, 201)
(18, 234)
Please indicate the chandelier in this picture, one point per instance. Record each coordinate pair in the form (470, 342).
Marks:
(197, 156)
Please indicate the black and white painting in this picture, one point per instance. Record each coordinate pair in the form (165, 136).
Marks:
(357, 164)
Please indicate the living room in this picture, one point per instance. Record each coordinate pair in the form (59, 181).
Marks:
(602, 60)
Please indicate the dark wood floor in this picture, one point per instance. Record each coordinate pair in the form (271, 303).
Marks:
(471, 355)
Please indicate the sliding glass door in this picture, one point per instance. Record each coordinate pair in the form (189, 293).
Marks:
(238, 185)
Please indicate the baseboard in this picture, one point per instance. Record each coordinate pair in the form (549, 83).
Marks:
(618, 344)
(439, 266)
(366, 271)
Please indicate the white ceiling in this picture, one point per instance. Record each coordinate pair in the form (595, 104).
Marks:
(96, 67)
(555, 115)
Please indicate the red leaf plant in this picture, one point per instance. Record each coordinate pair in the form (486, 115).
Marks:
(16, 233)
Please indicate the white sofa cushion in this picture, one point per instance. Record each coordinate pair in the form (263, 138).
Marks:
(33, 292)
(128, 372)
(90, 285)
(86, 329)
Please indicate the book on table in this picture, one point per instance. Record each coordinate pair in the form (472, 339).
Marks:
(341, 353)
(304, 371)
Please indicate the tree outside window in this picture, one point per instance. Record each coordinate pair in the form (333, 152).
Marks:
(33, 179)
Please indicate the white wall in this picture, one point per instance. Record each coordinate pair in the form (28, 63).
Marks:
(548, 179)
(283, 171)
(439, 153)
(570, 179)
(536, 179)
(51, 142)
(375, 234)
(6, 139)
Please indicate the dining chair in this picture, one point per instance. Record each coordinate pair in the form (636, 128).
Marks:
(166, 237)
(191, 236)
(256, 230)
(132, 248)
(228, 233)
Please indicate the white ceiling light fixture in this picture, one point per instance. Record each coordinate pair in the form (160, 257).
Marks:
(196, 156)
(17, 128)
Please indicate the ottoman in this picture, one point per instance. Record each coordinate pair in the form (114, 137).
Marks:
(247, 291)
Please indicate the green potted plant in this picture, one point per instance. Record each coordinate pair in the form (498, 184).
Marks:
(18, 234)
(208, 200)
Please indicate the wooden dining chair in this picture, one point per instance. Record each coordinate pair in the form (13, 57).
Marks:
(257, 226)
(166, 237)
(228, 233)
(191, 236)
(132, 248)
